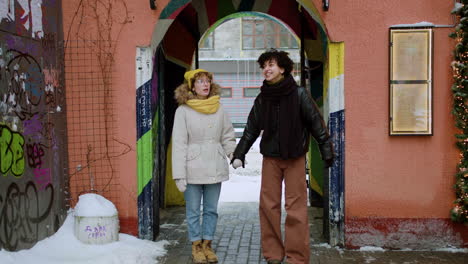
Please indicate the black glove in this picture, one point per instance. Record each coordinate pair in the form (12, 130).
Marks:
(328, 163)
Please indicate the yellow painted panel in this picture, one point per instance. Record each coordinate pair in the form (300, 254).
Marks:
(336, 59)
(173, 196)
(313, 49)
(314, 13)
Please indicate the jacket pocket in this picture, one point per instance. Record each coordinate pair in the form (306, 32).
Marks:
(193, 151)
(222, 165)
(221, 152)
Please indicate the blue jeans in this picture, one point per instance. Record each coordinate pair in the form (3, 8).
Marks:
(193, 199)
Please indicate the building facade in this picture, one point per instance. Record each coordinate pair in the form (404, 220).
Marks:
(376, 171)
(231, 51)
(382, 72)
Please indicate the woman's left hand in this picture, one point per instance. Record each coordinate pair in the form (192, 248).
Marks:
(181, 184)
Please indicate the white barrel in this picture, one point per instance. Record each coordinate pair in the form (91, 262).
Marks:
(96, 220)
(97, 229)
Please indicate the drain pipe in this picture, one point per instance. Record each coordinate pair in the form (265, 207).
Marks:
(152, 4)
(454, 17)
(325, 5)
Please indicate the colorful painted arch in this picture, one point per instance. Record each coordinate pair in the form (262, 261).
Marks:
(190, 19)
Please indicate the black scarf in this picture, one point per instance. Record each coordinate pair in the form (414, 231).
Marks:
(284, 94)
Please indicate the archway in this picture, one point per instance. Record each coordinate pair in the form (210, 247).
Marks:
(174, 42)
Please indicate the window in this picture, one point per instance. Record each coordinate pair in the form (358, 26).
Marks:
(411, 81)
(226, 92)
(259, 33)
(286, 39)
(251, 91)
(207, 42)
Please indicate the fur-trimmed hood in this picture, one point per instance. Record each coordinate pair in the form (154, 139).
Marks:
(182, 93)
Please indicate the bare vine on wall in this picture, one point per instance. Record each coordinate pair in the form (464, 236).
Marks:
(99, 24)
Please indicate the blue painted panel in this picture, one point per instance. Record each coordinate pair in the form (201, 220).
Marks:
(337, 132)
(145, 212)
(143, 107)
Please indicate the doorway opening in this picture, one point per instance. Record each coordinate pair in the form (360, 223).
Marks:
(185, 37)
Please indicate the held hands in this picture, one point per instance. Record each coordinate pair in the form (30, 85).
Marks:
(237, 163)
(181, 184)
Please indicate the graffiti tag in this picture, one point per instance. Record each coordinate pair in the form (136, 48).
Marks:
(21, 213)
(11, 152)
(96, 232)
(35, 153)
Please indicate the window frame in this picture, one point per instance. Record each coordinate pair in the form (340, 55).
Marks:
(403, 103)
(227, 88)
(210, 35)
(276, 35)
(250, 87)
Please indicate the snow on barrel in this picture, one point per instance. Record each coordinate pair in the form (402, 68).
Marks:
(96, 220)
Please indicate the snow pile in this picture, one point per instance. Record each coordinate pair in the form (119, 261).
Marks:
(91, 205)
(64, 247)
(457, 7)
(419, 24)
(325, 245)
(453, 250)
(371, 248)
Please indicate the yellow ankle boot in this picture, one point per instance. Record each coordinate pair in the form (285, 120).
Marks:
(209, 253)
(198, 256)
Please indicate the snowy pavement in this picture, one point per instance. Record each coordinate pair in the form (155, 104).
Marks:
(238, 209)
(237, 241)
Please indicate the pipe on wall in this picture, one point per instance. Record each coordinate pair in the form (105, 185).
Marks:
(325, 5)
(454, 17)
(152, 4)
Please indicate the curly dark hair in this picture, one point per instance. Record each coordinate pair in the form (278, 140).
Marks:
(281, 58)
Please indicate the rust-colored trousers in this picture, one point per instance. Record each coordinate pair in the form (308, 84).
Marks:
(296, 240)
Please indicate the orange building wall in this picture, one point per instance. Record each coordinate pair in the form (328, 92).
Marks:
(385, 177)
(136, 33)
(394, 181)
(397, 176)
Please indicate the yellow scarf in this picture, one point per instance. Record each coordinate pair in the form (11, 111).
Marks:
(205, 106)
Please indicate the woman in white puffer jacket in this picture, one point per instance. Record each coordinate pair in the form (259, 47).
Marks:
(202, 139)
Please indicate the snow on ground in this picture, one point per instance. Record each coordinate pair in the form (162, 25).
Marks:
(371, 248)
(325, 245)
(244, 183)
(64, 247)
(448, 249)
(453, 250)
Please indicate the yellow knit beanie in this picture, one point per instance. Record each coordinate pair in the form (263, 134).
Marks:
(191, 74)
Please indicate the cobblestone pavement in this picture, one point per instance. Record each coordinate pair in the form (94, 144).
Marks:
(237, 241)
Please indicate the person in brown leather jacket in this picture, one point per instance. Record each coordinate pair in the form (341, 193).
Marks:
(287, 115)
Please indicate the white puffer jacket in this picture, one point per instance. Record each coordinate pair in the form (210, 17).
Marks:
(200, 146)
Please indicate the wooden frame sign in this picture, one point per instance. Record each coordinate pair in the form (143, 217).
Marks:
(411, 81)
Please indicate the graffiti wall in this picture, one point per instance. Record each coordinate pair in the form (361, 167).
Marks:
(33, 186)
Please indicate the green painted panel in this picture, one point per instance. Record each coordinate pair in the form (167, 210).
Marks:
(225, 8)
(315, 166)
(172, 7)
(144, 160)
